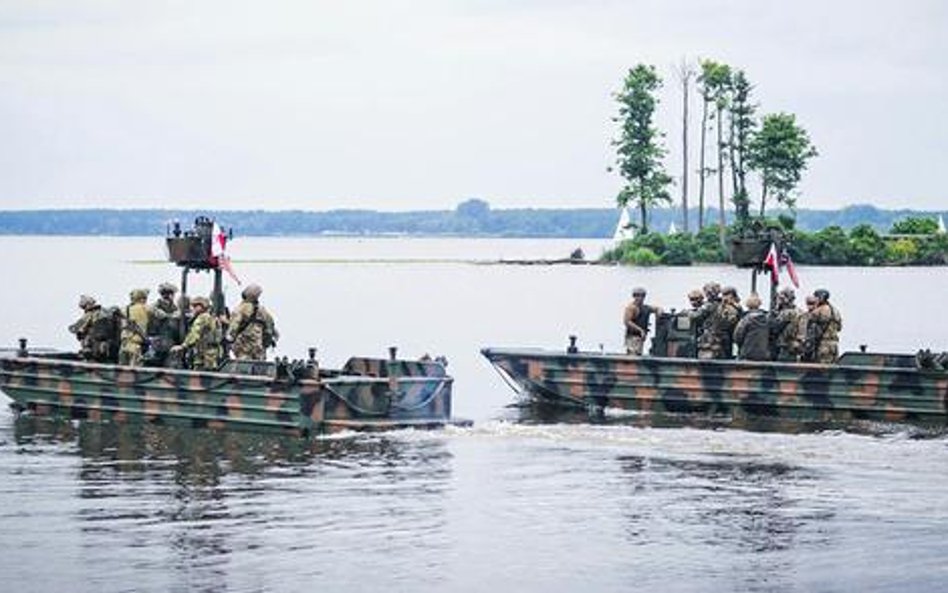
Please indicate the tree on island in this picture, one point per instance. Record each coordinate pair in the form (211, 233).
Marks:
(639, 151)
(779, 152)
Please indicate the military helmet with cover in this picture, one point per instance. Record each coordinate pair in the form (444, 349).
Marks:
(167, 287)
(138, 294)
(253, 291)
(822, 294)
(638, 291)
(711, 289)
(200, 301)
(86, 302)
(786, 294)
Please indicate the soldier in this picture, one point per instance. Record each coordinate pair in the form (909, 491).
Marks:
(784, 329)
(134, 329)
(164, 323)
(251, 330)
(94, 330)
(635, 320)
(204, 337)
(703, 318)
(808, 346)
(729, 313)
(752, 333)
(823, 327)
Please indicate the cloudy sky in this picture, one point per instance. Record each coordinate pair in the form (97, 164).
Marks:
(390, 105)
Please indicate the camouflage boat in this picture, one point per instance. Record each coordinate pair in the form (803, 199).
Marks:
(291, 397)
(863, 385)
(296, 397)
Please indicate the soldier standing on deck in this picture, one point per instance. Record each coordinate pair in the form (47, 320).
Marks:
(704, 320)
(94, 330)
(164, 322)
(784, 327)
(134, 329)
(204, 338)
(823, 327)
(251, 330)
(729, 313)
(635, 320)
(752, 334)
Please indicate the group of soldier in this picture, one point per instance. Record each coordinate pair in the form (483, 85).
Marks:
(183, 334)
(723, 329)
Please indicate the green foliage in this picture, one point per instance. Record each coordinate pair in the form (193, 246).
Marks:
(866, 247)
(915, 226)
(742, 127)
(779, 151)
(639, 150)
(642, 256)
(902, 251)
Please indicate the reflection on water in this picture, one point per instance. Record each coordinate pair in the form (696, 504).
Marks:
(193, 509)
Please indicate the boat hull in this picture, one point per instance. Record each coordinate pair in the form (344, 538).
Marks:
(860, 387)
(370, 394)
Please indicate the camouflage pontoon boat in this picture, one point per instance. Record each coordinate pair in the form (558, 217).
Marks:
(861, 386)
(296, 397)
(292, 397)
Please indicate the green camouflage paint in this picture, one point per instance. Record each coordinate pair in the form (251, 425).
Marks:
(885, 387)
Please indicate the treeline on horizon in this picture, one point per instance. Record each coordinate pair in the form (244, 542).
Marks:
(472, 217)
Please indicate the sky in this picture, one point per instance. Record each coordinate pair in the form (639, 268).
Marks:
(414, 105)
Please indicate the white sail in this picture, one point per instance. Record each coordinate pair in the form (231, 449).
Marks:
(624, 228)
(941, 225)
(672, 229)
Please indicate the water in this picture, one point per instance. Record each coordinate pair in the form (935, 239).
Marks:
(513, 503)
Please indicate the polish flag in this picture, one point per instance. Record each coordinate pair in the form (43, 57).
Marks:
(772, 262)
(218, 255)
(787, 263)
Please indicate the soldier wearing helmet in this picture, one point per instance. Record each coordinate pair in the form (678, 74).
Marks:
(134, 336)
(784, 331)
(94, 344)
(635, 320)
(729, 314)
(204, 337)
(164, 323)
(705, 320)
(823, 327)
(251, 330)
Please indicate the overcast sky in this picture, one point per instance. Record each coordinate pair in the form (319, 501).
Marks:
(389, 105)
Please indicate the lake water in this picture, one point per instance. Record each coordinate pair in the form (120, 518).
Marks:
(513, 503)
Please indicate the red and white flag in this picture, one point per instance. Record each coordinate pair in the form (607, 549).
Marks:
(787, 263)
(219, 256)
(772, 262)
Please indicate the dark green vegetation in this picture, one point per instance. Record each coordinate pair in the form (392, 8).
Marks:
(472, 217)
(911, 241)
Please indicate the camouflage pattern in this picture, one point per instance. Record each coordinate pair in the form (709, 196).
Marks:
(95, 330)
(134, 330)
(862, 386)
(823, 327)
(785, 333)
(291, 397)
(251, 331)
(163, 326)
(204, 341)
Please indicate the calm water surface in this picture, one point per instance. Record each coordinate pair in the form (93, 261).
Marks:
(518, 502)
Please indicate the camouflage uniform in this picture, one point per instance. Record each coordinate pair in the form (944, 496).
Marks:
(729, 314)
(94, 330)
(251, 328)
(704, 318)
(134, 328)
(204, 338)
(823, 328)
(635, 319)
(164, 324)
(785, 332)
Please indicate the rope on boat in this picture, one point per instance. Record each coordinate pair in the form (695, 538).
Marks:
(355, 407)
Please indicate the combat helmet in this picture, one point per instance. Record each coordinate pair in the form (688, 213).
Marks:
(712, 290)
(822, 294)
(252, 292)
(166, 287)
(786, 293)
(86, 302)
(138, 294)
(201, 301)
(696, 295)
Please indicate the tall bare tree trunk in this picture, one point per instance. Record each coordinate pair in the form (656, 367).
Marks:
(721, 218)
(685, 73)
(701, 164)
